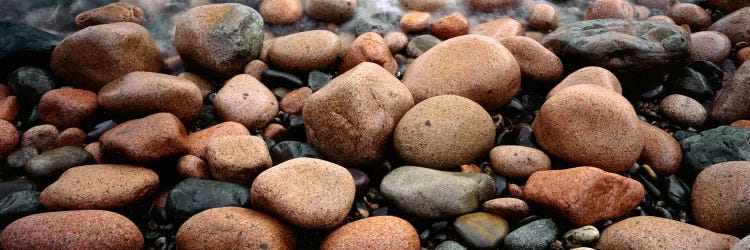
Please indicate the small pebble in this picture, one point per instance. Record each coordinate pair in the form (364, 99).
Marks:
(414, 22)
(684, 110)
(450, 26)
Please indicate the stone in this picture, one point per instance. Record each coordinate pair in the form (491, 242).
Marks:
(660, 150)
(368, 47)
(145, 140)
(281, 11)
(586, 235)
(423, 5)
(82, 229)
(219, 39)
(496, 75)
(30, 83)
(610, 9)
(381, 21)
(509, 208)
(51, 164)
(735, 25)
(331, 10)
(481, 230)
(689, 82)
(8, 138)
(274, 131)
(720, 201)
(537, 62)
(204, 85)
(9, 108)
(352, 119)
(41, 137)
(710, 46)
(103, 186)
(66, 108)
(684, 110)
(729, 105)
(287, 150)
(378, 232)
(450, 245)
(234, 227)
(588, 125)
(491, 4)
(543, 17)
(421, 44)
(16, 160)
(518, 162)
(396, 42)
(693, 15)
(255, 69)
(191, 166)
(23, 45)
(196, 142)
(305, 192)
(535, 235)
(589, 75)
(420, 135)
(583, 195)
(714, 146)
(305, 51)
(19, 204)
(9, 187)
(192, 196)
(727, 6)
(237, 159)
(281, 78)
(111, 51)
(661, 18)
(414, 21)
(450, 26)
(433, 194)
(503, 27)
(246, 100)
(743, 55)
(139, 94)
(110, 13)
(647, 232)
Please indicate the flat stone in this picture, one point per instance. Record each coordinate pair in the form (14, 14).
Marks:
(647, 232)
(196, 142)
(378, 232)
(234, 227)
(518, 162)
(110, 13)
(192, 196)
(481, 230)
(305, 51)
(508, 208)
(145, 140)
(729, 105)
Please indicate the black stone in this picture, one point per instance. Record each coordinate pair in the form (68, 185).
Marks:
(501, 184)
(18, 205)
(100, 128)
(281, 78)
(287, 150)
(16, 160)
(51, 164)
(503, 137)
(295, 127)
(678, 193)
(361, 181)
(711, 71)
(722, 144)
(192, 196)
(9, 187)
(23, 45)
(523, 135)
(682, 134)
(689, 82)
(30, 83)
(316, 80)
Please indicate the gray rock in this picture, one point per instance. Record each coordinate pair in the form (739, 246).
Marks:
(743, 244)
(713, 146)
(535, 235)
(17, 205)
(450, 245)
(192, 196)
(51, 164)
(10, 187)
(17, 159)
(22, 44)
(419, 45)
(586, 235)
(430, 193)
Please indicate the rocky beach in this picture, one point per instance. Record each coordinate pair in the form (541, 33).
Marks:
(375, 124)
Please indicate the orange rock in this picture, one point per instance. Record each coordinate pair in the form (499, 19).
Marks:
(145, 140)
(368, 47)
(71, 137)
(450, 26)
(503, 27)
(294, 101)
(379, 232)
(9, 108)
(234, 227)
(191, 166)
(67, 108)
(647, 232)
(245, 100)
(281, 11)
(197, 141)
(110, 13)
(660, 150)
(610, 9)
(8, 138)
(414, 21)
(693, 15)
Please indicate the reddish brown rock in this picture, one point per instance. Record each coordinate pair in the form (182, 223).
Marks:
(503, 27)
(647, 232)
(104, 186)
(145, 140)
(255, 69)
(543, 17)
(95, 149)
(508, 208)
(423, 5)
(274, 131)
(238, 158)
(5, 91)
(727, 6)
(610, 9)
(710, 46)
(294, 101)
(735, 25)
(518, 162)
(71, 137)
(720, 198)
(379, 232)
(450, 26)
(94, 56)
(660, 150)
(196, 142)
(537, 62)
(396, 41)
(203, 84)
(281, 11)
(492, 4)
(9, 108)
(470, 168)
(245, 100)
(743, 55)
(414, 21)
(191, 166)
(234, 228)
(41, 137)
(67, 108)
(741, 123)
(110, 13)
(684, 110)
(368, 47)
(690, 14)
(82, 229)
(589, 75)
(584, 195)
(8, 138)
(730, 104)
(661, 18)
(305, 51)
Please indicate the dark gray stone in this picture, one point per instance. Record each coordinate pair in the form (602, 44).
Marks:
(419, 45)
(17, 159)
(30, 83)
(280, 78)
(689, 82)
(22, 45)
(450, 245)
(18, 205)
(9, 187)
(287, 150)
(317, 80)
(192, 196)
(713, 146)
(379, 22)
(536, 235)
(51, 164)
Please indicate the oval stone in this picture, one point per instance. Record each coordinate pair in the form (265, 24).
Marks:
(67, 108)
(589, 75)
(730, 103)
(660, 150)
(237, 159)
(648, 232)
(8, 138)
(735, 25)
(51, 164)
(305, 51)
(517, 161)
(246, 100)
(110, 13)
(234, 227)
(378, 232)
(537, 62)
(721, 198)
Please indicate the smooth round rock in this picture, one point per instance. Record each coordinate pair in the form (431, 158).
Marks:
(414, 21)
(379, 232)
(145, 140)
(396, 42)
(246, 100)
(589, 75)
(743, 55)
(67, 108)
(8, 138)
(192, 196)
(543, 17)
(421, 44)
(720, 198)
(581, 236)
(486, 5)
(647, 232)
(507, 208)
(710, 46)
(294, 102)
(610, 9)
(237, 159)
(503, 27)
(281, 11)
(368, 47)
(234, 227)
(481, 230)
(518, 162)
(730, 103)
(736, 25)
(535, 235)
(94, 56)
(197, 141)
(110, 13)
(308, 193)
(331, 10)
(423, 5)
(687, 13)
(219, 39)
(660, 150)
(537, 62)
(51, 164)
(305, 51)
(684, 110)
(450, 26)
(420, 135)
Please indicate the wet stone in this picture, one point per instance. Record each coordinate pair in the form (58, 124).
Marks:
(689, 82)
(192, 196)
(713, 146)
(481, 230)
(18, 205)
(282, 78)
(17, 159)
(419, 45)
(316, 80)
(10, 187)
(22, 44)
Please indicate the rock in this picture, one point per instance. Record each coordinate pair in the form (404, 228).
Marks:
(256, 68)
(352, 119)
(19, 204)
(396, 42)
(710, 46)
(196, 142)
(204, 85)
(111, 51)
(281, 11)
(8, 138)
(9, 108)
(450, 26)
(30, 83)
(693, 15)
(192, 196)
(421, 44)
(423, 5)
(145, 140)
(610, 9)
(234, 227)
(684, 110)
(274, 131)
(589, 75)
(735, 26)
(414, 21)
(378, 21)
(219, 39)
(714, 146)
(491, 4)
(237, 159)
(647, 232)
(660, 150)
(294, 102)
(110, 13)
(67, 108)
(9, 187)
(281, 78)
(581, 236)
(287, 150)
(689, 82)
(450, 245)
(368, 47)
(727, 6)
(429, 193)
(378, 232)
(628, 48)
(23, 45)
(719, 200)
(583, 194)
(590, 126)
(481, 230)
(508, 208)
(41, 137)
(535, 235)
(51, 164)
(308, 193)
(191, 166)
(331, 10)
(503, 27)
(518, 162)
(16, 160)
(543, 17)
(537, 62)
(420, 135)
(305, 51)
(245, 100)
(71, 137)
(103, 186)
(729, 105)
(741, 123)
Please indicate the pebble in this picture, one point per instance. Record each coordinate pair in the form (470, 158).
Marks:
(589, 75)
(19, 204)
(420, 135)
(294, 102)
(610, 9)
(219, 39)
(274, 131)
(583, 195)
(95, 150)
(67, 108)
(17, 159)
(684, 110)
(234, 227)
(692, 83)
(509, 208)
(503, 27)
(191, 166)
(730, 103)
(543, 17)
(9, 108)
(111, 51)
(255, 68)
(30, 83)
(368, 47)
(238, 158)
(710, 46)
(414, 21)
(104, 186)
(51, 164)
(305, 192)
(331, 10)
(352, 119)
(537, 62)
(192, 196)
(450, 245)
(145, 140)
(518, 162)
(660, 150)
(8, 138)
(378, 232)
(396, 42)
(660, 18)
(714, 146)
(743, 55)
(536, 235)
(287, 150)
(719, 200)
(736, 26)
(196, 142)
(693, 15)
(421, 44)
(246, 100)
(110, 13)
(423, 5)
(82, 229)
(281, 11)
(22, 41)
(496, 75)
(204, 85)
(450, 26)
(487, 5)
(481, 230)
(71, 137)
(429, 193)
(305, 51)
(582, 236)
(41, 137)
(647, 232)
(9, 187)
(588, 125)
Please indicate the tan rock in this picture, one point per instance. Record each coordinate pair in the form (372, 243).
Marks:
(396, 41)
(736, 25)
(368, 47)
(660, 150)
(145, 140)
(450, 26)
(238, 158)
(503, 27)
(492, 4)
(423, 5)
(684, 110)
(414, 21)
(67, 108)
(245, 100)
(281, 11)
(647, 232)
(255, 69)
(191, 166)
(294, 101)
(720, 200)
(197, 141)
(589, 75)
(203, 84)
(95, 149)
(518, 162)
(331, 10)
(543, 17)
(608, 9)
(9, 108)
(710, 46)
(379, 232)
(71, 137)
(730, 104)
(110, 13)
(690, 14)
(537, 62)
(508, 208)
(234, 228)
(305, 51)
(661, 18)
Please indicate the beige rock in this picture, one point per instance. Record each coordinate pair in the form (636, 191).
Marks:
(543, 17)
(191, 166)
(379, 232)
(537, 62)
(237, 159)
(720, 198)
(647, 232)
(245, 100)
(396, 41)
(331, 10)
(414, 21)
(281, 11)
(368, 47)
(492, 4)
(730, 104)
(110, 13)
(710, 46)
(255, 68)
(684, 110)
(234, 228)
(294, 102)
(503, 27)
(508, 208)
(606, 9)
(197, 141)
(204, 85)
(589, 75)
(423, 5)
(690, 14)
(450, 26)
(518, 162)
(305, 51)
